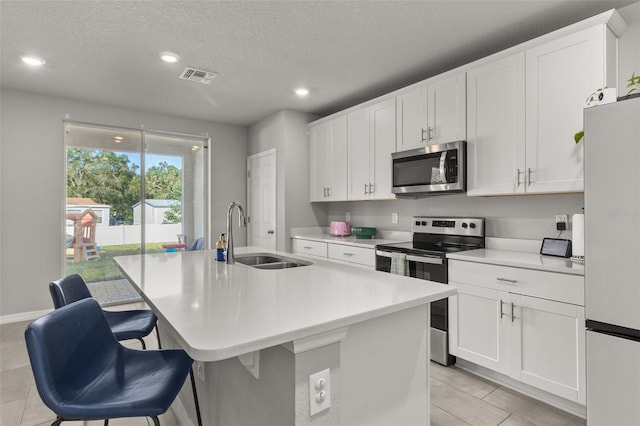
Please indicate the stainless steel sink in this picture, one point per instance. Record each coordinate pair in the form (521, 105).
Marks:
(269, 261)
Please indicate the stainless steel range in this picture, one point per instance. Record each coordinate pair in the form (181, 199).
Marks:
(433, 238)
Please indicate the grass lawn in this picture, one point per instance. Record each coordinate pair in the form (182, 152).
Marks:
(104, 268)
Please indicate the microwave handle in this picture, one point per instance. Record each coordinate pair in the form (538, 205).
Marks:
(443, 167)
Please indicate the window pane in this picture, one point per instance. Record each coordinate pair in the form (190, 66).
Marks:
(103, 184)
(174, 190)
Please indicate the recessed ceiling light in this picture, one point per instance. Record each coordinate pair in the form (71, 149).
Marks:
(169, 57)
(33, 60)
(302, 92)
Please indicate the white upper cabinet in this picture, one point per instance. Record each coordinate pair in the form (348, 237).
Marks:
(328, 163)
(371, 140)
(412, 118)
(383, 144)
(431, 113)
(523, 111)
(496, 116)
(360, 155)
(560, 76)
(447, 104)
(518, 111)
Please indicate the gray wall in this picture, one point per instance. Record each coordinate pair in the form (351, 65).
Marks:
(530, 217)
(288, 133)
(32, 179)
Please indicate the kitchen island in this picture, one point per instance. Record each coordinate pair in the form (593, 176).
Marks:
(258, 334)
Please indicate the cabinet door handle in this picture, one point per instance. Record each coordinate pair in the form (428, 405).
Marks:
(372, 188)
(423, 137)
(513, 308)
(430, 132)
(271, 232)
(506, 280)
(501, 311)
(347, 254)
(529, 175)
(366, 188)
(518, 172)
(307, 247)
(324, 191)
(328, 191)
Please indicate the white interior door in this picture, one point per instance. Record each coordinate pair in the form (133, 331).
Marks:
(261, 196)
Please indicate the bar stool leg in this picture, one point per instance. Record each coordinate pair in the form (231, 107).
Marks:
(158, 334)
(195, 397)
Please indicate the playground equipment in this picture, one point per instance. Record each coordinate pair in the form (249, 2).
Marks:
(84, 235)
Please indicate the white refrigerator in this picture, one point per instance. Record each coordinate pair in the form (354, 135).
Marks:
(612, 262)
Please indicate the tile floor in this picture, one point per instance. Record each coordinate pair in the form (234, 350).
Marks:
(458, 398)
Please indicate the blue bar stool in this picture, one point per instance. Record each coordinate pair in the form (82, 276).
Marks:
(83, 373)
(125, 325)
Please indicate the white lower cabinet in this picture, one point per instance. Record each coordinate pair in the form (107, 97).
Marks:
(547, 347)
(335, 252)
(351, 254)
(309, 248)
(531, 339)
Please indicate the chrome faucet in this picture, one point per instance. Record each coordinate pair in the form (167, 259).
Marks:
(242, 222)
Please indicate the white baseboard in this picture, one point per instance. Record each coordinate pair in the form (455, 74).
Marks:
(23, 316)
(535, 393)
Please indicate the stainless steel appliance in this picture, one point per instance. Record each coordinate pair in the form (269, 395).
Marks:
(433, 238)
(430, 170)
(612, 252)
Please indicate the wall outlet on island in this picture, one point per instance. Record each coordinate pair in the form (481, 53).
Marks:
(319, 391)
(200, 370)
(394, 217)
(348, 216)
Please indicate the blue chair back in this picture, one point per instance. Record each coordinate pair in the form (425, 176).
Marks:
(198, 244)
(68, 348)
(68, 290)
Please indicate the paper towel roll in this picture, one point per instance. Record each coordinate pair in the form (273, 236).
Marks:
(577, 243)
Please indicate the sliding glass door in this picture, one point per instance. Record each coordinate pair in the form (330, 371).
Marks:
(128, 192)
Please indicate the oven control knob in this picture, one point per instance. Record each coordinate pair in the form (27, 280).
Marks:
(417, 223)
(464, 225)
(472, 225)
(423, 223)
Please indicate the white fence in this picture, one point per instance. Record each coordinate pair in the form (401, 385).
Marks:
(130, 234)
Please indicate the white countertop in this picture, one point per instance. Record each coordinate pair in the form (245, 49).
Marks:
(217, 311)
(521, 260)
(352, 240)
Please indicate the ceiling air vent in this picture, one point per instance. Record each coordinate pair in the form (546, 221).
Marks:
(199, 76)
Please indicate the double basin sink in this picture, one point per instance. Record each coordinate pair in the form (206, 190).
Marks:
(269, 261)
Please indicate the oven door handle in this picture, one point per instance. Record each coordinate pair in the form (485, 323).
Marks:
(425, 259)
(412, 258)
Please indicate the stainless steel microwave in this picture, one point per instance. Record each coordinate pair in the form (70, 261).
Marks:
(430, 170)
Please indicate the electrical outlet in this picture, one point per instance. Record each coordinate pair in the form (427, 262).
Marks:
(562, 222)
(394, 217)
(348, 217)
(319, 391)
(200, 370)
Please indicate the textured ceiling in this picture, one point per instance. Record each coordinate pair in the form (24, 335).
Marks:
(344, 51)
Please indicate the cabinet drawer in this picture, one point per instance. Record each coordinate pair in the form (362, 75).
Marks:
(529, 282)
(310, 248)
(344, 253)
